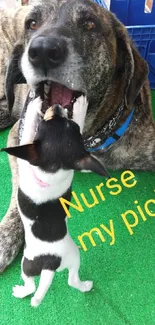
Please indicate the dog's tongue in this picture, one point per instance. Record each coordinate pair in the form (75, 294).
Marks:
(60, 95)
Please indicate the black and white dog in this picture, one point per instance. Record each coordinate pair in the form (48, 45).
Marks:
(46, 169)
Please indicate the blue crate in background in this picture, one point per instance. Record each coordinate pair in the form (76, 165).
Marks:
(140, 26)
(101, 2)
(131, 12)
(144, 38)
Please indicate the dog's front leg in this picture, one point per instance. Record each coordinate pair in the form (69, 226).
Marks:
(11, 228)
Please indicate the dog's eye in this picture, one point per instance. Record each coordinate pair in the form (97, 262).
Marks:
(89, 25)
(32, 24)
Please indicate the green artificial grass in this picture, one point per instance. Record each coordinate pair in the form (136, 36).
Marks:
(120, 259)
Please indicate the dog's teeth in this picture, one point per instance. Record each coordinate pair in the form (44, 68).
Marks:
(66, 112)
(32, 94)
(45, 96)
(46, 89)
(49, 82)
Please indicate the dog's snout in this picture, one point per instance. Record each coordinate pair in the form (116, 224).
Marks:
(47, 51)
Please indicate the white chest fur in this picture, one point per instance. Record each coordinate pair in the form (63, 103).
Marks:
(58, 182)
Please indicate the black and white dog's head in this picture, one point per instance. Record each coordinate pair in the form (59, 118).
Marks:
(58, 144)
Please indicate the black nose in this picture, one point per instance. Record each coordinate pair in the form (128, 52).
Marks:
(47, 52)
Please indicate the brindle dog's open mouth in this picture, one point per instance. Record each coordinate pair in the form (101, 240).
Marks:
(53, 93)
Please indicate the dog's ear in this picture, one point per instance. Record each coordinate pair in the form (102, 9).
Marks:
(130, 65)
(29, 152)
(14, 74)
(140, 73)
(90, 162)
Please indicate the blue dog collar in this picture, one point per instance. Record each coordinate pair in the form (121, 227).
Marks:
(118, 133)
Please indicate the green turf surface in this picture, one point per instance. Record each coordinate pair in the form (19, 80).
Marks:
(121, 264)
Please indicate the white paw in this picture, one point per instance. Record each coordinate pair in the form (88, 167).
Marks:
(79, 111)
(18, 291)
(81, 102)
(21, 291)
(86, 286)
(35, 302)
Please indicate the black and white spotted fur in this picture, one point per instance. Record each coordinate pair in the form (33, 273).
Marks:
(46, 169)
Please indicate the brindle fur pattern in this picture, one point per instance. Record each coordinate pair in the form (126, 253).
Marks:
(11, 30)
(11, 228)
(109, 69)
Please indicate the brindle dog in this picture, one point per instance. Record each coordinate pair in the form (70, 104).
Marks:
(11, 30)
(80, 47)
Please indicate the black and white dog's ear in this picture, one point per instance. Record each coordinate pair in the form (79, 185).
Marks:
(29, 152)
(14, 75)
(90, 162)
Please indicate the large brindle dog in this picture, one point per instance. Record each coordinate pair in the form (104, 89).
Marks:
(73, 47)
(11, 30)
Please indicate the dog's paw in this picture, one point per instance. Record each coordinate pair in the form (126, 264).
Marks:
(35, 302)
(79, 111)
(18, 291)
(82, 102)
(22, 291)
(83, 286)
(86, 286)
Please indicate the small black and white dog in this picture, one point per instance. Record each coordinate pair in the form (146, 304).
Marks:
(46, 169)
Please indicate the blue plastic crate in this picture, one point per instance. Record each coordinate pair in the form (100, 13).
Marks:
(131, 12)
(144, 38)
(101, 2)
